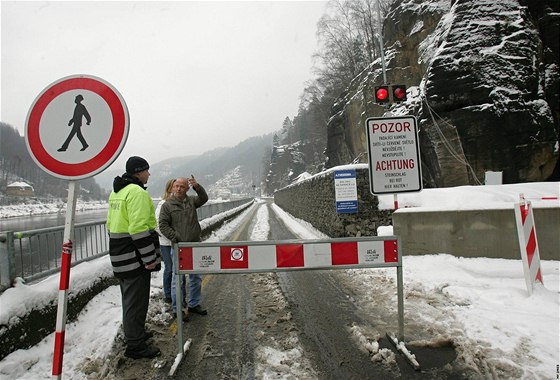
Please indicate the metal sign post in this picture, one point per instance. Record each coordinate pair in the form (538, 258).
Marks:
(64, 280)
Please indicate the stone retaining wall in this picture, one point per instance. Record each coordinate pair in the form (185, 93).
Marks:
(313, 200)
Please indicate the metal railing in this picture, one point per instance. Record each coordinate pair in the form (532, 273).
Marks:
(209, 210)
(35, 254)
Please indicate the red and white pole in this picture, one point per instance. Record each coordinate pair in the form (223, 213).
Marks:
(61, 314)
(66, 262)
(528, 243)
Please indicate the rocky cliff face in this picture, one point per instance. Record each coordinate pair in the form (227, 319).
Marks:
(483, 80)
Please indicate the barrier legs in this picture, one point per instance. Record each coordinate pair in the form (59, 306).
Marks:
(182, 346)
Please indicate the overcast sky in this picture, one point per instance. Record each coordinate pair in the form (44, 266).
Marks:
(194, 75)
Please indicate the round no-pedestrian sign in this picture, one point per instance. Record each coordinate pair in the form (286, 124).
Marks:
(77, 127)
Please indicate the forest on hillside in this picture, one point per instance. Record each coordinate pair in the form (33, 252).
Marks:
(16, 165)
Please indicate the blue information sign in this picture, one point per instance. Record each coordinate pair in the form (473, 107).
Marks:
(346, 193)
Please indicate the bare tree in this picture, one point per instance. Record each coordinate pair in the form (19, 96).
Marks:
(365, 17)
(348, 34)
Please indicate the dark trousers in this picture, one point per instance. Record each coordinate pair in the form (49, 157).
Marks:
(135, 292)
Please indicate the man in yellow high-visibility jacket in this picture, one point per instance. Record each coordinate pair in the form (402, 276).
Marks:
(134, 251)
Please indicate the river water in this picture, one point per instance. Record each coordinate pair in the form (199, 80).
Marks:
(33, 222)
(38, 253)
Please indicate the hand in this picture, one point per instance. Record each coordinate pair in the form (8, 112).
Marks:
(192, 181)
(153, 265)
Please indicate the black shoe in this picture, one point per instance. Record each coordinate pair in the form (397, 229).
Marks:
(167, 300)
(198, 310)
(61, 150)
(84, 148)
(142, 351)
(185, 316)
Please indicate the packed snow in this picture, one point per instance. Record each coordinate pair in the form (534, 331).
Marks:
(481, 304)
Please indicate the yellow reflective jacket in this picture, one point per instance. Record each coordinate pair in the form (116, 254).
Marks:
(131, 223)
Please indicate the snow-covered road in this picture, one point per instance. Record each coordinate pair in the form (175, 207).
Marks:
(480, 305)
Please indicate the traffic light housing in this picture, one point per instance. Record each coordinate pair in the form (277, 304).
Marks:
(390, 93)
(399, 93)
(381, 94)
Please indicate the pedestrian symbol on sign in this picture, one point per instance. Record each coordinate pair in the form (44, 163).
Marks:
(80, 111)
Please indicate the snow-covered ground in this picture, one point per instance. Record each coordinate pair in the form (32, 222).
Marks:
(480, 304)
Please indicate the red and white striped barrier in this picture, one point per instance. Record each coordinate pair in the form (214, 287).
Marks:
(309, 254)
(61, 313)
(285, 255)
(528, 243)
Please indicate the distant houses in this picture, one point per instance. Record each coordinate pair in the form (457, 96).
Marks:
(20, 189)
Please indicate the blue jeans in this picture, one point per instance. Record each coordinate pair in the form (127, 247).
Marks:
(195, 292)
(167, 270)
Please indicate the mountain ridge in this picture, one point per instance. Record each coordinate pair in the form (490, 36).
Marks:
(208, 168)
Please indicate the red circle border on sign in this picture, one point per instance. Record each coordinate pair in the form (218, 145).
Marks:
(108, 154)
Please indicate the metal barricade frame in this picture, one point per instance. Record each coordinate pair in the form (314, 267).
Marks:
(286, 255)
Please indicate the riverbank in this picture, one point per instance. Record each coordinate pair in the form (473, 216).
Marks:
(42, 207)
(34, 207)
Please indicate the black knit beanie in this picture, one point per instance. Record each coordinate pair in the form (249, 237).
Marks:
(136, 164)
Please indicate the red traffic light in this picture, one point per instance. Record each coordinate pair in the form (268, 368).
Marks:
(399, 93)
(382, 94)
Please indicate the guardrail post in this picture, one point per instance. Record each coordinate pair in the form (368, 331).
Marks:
(7, 260)
(400, 302)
